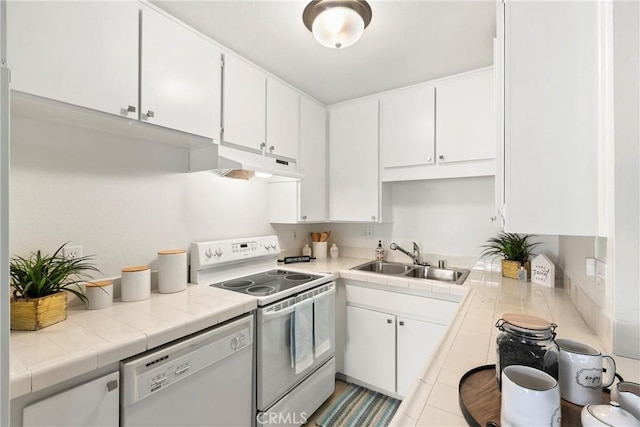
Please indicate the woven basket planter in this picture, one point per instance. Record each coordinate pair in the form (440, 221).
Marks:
(510, 268)
(37, 313)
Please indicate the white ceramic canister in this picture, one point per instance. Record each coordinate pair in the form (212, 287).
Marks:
(135, 283)
(172, 271)
(99, 294)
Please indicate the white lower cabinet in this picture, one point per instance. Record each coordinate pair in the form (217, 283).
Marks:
(370, 353)
(415, 339)
(95, 403)
(389, 336)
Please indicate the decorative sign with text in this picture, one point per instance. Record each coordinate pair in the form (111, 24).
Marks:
(543, 272)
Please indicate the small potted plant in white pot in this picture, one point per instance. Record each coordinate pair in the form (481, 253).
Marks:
(39, 283)
(515, 250)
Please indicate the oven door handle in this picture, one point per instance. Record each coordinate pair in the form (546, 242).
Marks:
(275, 314)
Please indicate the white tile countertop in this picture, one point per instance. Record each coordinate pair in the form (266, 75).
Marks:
(91, 339)
(470, 338)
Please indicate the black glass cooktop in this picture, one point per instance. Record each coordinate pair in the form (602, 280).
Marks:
(267, 283)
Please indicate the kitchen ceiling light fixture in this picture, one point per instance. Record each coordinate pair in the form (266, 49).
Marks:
(337, 23)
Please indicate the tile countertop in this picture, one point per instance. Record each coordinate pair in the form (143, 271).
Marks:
(470, 338)
(91, 339)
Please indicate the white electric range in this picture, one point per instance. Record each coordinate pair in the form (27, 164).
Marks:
(289, 387)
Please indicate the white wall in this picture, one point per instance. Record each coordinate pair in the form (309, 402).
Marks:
(447, 217)
(122, 199)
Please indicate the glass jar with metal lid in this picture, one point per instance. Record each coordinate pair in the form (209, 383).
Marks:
(526, 340)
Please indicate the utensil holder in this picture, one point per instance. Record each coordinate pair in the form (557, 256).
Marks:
(319, 250)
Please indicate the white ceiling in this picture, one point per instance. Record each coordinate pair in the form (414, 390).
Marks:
(407, 42)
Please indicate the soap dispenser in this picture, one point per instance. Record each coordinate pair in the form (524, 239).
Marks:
(379, 251)
(306, 250)
(334, 251)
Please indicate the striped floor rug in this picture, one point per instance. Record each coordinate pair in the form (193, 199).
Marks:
(358, 407)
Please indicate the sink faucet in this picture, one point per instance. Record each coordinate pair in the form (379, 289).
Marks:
(415, 256)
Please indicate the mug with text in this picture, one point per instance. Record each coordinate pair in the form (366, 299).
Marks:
(584, 371)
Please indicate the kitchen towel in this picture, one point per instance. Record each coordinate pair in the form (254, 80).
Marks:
(301, 334)
(321, 332)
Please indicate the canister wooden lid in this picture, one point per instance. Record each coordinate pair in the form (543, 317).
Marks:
(171, 251)
(526, 321)
(98, 283)
(135, 269)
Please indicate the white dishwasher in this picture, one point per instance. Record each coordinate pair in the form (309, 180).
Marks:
(203, 380)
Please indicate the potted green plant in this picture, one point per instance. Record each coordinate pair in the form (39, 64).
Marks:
(515, 249)
(39, 282)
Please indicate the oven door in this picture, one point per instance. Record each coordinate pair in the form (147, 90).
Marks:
(275, 375)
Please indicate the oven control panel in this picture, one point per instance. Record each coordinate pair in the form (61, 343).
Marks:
(206, 254)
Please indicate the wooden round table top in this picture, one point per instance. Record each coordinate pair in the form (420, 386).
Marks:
(480, 398)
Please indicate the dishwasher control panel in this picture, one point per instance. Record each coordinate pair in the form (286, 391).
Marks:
(160, 369)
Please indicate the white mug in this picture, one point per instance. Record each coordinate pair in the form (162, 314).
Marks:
(627, 394)
(581, 372)
(530, 397)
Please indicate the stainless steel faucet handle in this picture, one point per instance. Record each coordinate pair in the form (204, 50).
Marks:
(393, 246)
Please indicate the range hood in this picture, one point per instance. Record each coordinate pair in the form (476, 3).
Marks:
(232, 162)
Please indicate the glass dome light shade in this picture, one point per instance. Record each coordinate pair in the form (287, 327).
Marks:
(338, 27)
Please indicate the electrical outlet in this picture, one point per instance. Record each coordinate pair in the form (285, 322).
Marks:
(368, 232)
(72, 252)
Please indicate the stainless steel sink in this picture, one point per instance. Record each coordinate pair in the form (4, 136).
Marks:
(449, 275)
(439, 274)
(391, 268)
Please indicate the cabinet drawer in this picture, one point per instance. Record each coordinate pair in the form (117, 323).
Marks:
(429, 309)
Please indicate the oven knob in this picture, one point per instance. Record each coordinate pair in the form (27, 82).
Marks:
(219, 252)
(209, 253)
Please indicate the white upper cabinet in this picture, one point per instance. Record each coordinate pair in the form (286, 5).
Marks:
(354, 183)
(465, 122)
(283, 109)
(180, 77)
(440, 129)
(306, 200)
(557, 99)
(259, 112)
(244, 98)
(313, 161)
(81, 53)
(407, 130)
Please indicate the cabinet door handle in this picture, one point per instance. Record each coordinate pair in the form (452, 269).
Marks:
(271, 148)
(401, 323)
(389, 321)
(131, 109)
(304, 217)
(263, 145)
(151, 114)
(373, 217)
(428, 158)
(441, 157)
(494, 218)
